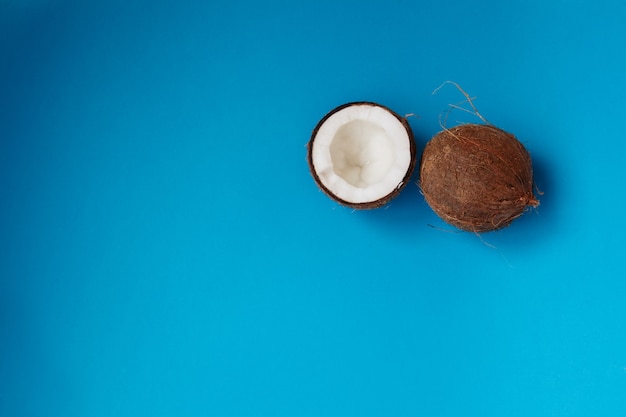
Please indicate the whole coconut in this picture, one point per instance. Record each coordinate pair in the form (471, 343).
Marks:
(477, 177)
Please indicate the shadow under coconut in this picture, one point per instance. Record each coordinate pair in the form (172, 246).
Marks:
(408, 215)
(405, 216)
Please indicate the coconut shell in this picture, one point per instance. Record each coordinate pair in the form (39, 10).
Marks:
(392, 193)
(477, 177)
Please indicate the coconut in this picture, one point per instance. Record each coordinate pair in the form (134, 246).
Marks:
(362, 154)
(477, 177)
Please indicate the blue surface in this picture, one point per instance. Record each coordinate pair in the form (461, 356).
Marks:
(164, 250)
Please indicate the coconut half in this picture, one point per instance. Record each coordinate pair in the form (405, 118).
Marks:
(362, 154)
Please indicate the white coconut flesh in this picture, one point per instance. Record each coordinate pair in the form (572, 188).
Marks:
(361, 153)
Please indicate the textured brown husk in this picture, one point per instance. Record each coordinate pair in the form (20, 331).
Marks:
(477, 177)
(370, 204)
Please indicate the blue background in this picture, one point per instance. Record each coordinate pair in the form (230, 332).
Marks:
(164, 250)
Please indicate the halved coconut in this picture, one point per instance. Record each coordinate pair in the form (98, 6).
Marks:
(362, 154)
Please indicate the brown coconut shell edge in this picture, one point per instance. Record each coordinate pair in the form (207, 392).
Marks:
(381, 201)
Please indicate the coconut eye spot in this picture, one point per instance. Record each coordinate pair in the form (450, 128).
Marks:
(362, 153)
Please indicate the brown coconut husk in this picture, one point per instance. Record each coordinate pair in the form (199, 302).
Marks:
(477, 177)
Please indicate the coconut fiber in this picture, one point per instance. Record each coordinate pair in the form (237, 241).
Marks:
(477, 177)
